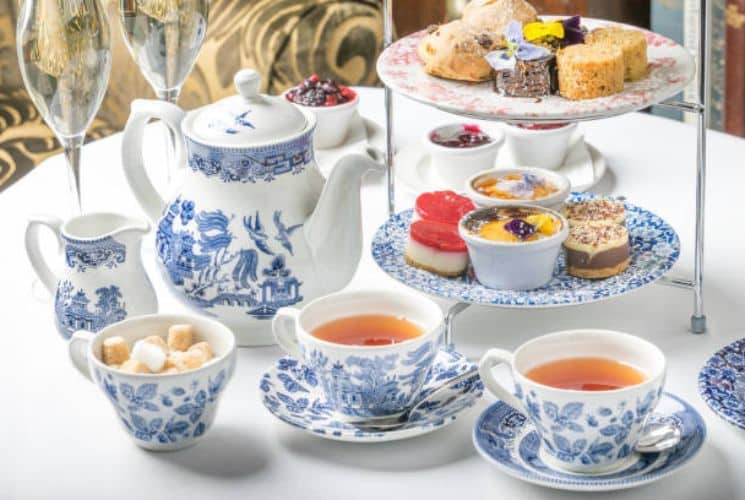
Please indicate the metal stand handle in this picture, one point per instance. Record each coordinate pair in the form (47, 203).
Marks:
(454, 311)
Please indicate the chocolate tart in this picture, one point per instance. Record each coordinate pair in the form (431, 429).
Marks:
(596, 252)
(597, 212)
(535, 78)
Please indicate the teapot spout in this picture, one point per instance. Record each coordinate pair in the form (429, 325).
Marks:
(334, 229)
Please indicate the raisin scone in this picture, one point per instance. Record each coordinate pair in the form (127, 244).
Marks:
(456, 50)
(494, 15)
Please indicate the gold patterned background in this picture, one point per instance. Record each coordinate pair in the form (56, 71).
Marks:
(285, 40)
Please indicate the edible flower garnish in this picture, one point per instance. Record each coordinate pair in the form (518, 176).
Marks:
(543, 223)
(573, 33)
(520, 228)
(516, 48)
(567, 31)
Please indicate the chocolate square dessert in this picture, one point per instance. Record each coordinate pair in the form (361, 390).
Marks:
(534, 78)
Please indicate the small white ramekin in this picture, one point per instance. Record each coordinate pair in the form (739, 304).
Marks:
(513, 266)
(553, 201)
(454, 165)
(539, 148)
(332, 122)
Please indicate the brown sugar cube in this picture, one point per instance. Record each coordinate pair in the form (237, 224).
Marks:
(203, 347)
(169, 371)
(180, 337)
(157, 340)
(115, 351)
(184, 361)
(134, 366)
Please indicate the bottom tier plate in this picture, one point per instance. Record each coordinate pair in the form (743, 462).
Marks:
(655, 248)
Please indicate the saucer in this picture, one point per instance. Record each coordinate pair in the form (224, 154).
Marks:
(584, 166)
(722, 383)
(292, 393)
(508, 439)
(363, 132)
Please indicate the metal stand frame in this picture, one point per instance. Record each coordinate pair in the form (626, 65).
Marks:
(700, 107)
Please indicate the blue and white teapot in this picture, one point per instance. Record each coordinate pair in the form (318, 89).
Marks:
(254, 227)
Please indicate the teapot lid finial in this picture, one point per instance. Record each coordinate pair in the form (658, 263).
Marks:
(247, 83)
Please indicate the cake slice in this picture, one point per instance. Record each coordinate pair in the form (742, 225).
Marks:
(447, 207)
(598, 212)
(633, 44)
(597, 252)
(436, 247)
(590, 71)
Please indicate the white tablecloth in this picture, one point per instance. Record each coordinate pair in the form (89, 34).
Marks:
(59, 436)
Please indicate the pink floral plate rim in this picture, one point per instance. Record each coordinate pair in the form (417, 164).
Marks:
(671, 68)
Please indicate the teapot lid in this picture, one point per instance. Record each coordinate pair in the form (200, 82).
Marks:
(247, 118)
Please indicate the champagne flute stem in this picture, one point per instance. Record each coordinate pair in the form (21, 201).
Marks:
(72, 147)
(170, 95)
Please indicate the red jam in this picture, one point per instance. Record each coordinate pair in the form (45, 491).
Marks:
(320, 93)
(437, 235)
(540, 126)
(467, 136)
(447, 207)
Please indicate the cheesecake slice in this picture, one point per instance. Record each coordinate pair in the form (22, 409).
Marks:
(597, 252)
(436, 247)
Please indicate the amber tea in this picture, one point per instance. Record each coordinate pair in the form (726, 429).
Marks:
(368, 330)
(586, 374)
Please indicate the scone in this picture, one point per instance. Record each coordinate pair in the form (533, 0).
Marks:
(437, 248)
(596, 252)
(456, 50)
(597, 212)
(633, 44)
(590, 71)
(494, 15)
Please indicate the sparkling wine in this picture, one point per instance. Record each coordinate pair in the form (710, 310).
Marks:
(65, 58)
(164, 37)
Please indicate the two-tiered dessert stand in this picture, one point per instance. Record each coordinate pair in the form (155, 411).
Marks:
(489, 107)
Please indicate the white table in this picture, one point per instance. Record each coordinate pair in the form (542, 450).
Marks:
(59, 436)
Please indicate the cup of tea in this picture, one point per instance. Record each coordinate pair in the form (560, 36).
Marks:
(370, 350)
(588, 393)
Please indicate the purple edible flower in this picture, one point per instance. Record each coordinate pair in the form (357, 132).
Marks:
(573, 33)
(523, 230)
(517, 48)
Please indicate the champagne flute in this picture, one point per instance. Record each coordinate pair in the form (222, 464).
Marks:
(164, 38)
(64, 53)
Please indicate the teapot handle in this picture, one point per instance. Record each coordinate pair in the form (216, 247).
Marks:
(143, 110)
(33, 248)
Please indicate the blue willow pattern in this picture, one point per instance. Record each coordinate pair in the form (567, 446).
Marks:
(172, 416)
(199, 258)
(721, 383)
(72, 308)
(104, 252)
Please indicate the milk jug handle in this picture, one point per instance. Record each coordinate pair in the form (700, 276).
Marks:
(34, 252)
(143, 110)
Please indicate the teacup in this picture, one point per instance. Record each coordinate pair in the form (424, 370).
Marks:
(161, 412)
(582, 431)
(364, 382)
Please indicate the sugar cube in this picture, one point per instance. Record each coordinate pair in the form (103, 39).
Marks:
(157, 340)
(185, 360)
(134, 366)
(150, 354)
(204, 348)
(180, 337)
(115, 351)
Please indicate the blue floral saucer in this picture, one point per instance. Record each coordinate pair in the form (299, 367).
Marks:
(655, 247)
(292, 393)
(507, 439)
(722, 383)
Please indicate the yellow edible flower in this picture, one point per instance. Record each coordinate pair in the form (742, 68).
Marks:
(538, 30)
(544, 223)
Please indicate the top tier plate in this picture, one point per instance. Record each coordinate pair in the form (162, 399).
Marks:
(671, 68)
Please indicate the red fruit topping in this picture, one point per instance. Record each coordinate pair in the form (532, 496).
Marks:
(330, 100)
(474, 129)
(443, 206)
(313, 78)
(437, 235)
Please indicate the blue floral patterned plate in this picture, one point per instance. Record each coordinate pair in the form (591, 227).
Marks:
(655, 247)
(722, 383)
(292, 393)
(507, 439)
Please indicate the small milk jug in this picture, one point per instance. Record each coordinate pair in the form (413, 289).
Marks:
(103, 280)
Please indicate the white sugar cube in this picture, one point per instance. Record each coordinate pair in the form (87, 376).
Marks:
(149, 354)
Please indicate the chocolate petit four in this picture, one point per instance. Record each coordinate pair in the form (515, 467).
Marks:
(598, 212)
(597, 251)
(590, 71)
(633, 44)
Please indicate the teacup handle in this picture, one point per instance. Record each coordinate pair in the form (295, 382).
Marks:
(33, 248)
(78, 350)
(143, 110)
(284, 326)
(493, 358)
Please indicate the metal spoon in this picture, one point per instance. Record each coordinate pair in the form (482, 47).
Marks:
(381, 424)
(657, 437)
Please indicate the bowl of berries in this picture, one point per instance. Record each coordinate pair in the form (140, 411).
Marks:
(333, 104)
